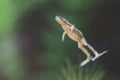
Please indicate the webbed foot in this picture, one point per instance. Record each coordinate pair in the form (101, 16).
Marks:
(84, 63)
(98, 55)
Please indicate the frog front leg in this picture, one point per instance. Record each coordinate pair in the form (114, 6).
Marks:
(72, 27)
(63, 35)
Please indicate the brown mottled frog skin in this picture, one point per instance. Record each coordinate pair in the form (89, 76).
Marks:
(77, 36)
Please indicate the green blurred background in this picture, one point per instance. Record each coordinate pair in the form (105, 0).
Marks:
(30, 39)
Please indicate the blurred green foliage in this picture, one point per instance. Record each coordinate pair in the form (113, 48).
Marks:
(7, 17)
(76, 73)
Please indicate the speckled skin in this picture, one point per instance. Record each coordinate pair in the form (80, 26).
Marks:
(78, 37)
